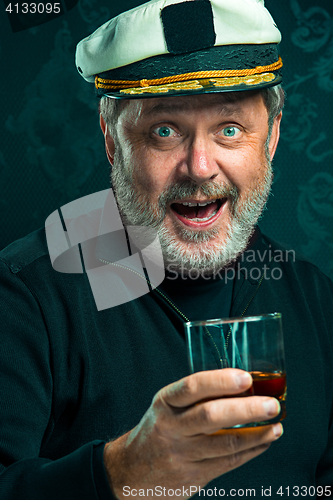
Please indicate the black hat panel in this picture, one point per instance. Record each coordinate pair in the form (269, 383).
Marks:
(188, 26)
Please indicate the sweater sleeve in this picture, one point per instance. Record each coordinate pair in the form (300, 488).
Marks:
(101, 480)
(26, 421)
(324, 474)
(68, 478)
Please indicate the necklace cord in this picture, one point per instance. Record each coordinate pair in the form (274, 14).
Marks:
(226, 345)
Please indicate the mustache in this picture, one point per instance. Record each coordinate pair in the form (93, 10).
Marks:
(186, 189)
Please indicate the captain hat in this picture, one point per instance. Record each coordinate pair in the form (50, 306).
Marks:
(173, 47)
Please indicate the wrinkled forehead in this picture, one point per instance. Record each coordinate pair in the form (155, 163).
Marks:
(227, 102)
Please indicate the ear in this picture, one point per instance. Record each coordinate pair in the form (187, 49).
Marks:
(109, 142)
(273, 142)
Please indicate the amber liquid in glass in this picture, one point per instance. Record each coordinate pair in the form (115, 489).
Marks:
(269, 384)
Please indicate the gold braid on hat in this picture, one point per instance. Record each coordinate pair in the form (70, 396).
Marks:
(126, 84)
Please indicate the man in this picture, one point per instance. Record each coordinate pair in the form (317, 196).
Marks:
(99, 404)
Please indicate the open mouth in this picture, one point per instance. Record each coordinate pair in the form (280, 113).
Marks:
(198, 212)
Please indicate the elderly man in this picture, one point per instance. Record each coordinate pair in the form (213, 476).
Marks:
(99, 404)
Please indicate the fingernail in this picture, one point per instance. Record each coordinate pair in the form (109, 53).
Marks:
(271, 407)
(278, 430)
(243, 380)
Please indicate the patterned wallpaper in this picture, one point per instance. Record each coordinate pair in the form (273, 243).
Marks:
(52, 152)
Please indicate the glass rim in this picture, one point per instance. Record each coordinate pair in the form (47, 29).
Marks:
(239, 319)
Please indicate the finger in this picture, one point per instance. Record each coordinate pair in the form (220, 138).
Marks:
(230, 441)
(205, 385)
(209, 417)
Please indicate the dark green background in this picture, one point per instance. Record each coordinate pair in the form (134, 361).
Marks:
(51, 149)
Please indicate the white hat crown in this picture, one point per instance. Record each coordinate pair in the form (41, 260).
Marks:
(139, 33)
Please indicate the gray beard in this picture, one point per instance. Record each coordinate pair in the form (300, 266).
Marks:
(189, 250)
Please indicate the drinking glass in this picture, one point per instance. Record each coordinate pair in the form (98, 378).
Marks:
(253, 344)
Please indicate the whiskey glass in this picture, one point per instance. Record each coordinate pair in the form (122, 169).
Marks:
(253, 344)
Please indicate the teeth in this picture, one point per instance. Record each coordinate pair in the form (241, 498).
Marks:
(203, 204)
(206, 203)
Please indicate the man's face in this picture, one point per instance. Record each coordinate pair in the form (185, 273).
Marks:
(197, 169)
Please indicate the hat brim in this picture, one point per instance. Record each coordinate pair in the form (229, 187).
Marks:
(200, 86)
(217, 69)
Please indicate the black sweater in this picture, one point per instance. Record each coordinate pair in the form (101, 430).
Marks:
(73, 378)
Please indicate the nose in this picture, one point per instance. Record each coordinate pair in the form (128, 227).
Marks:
(199, 164)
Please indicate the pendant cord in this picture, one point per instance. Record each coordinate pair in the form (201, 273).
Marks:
(181, 313)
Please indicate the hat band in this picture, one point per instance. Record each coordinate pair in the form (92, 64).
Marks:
(104, 83)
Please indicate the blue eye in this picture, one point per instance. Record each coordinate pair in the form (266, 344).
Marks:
(230, 131)
(164, 131)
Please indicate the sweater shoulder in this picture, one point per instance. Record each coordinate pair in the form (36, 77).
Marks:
(25, 251)
(295, 259)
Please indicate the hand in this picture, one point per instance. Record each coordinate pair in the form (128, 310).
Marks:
(174, 445)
